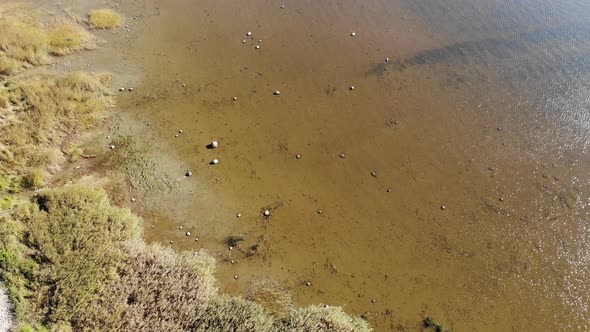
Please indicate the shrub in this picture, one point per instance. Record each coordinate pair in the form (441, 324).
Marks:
(318, 318)
(234, 314)
(158, 290)
(33, 179)
(66, 37)
(6, 202)
(60, 255)
(105, 19)
(272, 296)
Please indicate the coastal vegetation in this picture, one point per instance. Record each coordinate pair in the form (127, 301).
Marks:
(71, 260)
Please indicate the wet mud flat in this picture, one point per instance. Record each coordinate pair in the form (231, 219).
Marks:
(448, 183)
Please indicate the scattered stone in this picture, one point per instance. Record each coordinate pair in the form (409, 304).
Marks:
(121, 89)
(351, 87)
(130, 89)
(180, 227)
(239, 215)
(188, 233)
(307, 283)
(442, 207)
(373, 301)
(183, 85)
(257, 47)
(373, 174)
(108, 137)
(188, 173)
(213, 145)
(214, 162)
(235, 98)
(232, 261)
(236, 277)
(171, 241)
(395, 122)
(388, 190)
(298, 156)
(176, 135)
(217, 179)
(180, 131)
(111, 147)
(249, 33)
(266, 213)
(277, 93)
(243, 41)
(231, 248)
(133, 199)
(196, 239)
(342, 155)
(353, 34)
(386, 59)
(501, 199)
(319, 211)
(282, 7)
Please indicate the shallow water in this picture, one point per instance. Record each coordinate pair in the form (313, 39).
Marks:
(482, 109)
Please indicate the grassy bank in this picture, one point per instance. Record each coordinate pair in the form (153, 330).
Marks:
(72, 261)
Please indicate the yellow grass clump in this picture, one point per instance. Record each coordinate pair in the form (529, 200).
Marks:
(44, 112)
(65, 37)
(105, 19)
(21, 44)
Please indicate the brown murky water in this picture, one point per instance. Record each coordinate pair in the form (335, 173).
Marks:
(483, 108)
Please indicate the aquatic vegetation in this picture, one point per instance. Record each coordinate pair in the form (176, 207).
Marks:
(65, 37)
(430, 323)
(105, 19)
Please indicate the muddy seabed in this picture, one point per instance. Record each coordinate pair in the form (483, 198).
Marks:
(463, 194)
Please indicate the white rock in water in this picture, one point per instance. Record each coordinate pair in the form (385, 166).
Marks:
(214, 162)
(266, 213)
(249, 33)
